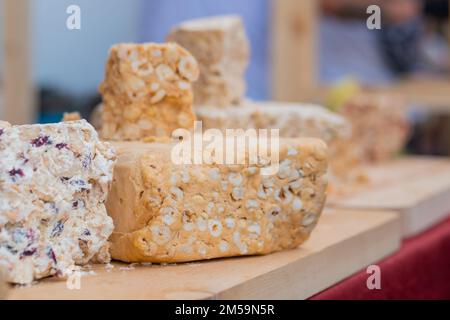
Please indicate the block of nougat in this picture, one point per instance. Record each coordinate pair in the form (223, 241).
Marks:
(166, 212)
(54, 180)
(292, 119)
(380, 125)
(221, 47)
(147, 91)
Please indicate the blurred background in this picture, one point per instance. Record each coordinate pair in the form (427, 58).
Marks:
(300, 50)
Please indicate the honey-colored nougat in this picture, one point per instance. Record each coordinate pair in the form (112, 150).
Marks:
(380, 125)
(166, 212)
(147, 91)
(293, 120)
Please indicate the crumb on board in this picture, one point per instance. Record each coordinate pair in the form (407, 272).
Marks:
(109, 267)
(131, 266)
(88, 273)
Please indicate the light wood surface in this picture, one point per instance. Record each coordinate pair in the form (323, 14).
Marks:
(344, 242)
(429, 94)
(17, 88)
(3, 288)
(416, 187)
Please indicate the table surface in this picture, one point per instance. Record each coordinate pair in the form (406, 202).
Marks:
(418, 188)
(359, 231)
(419, 270)
(347, 239)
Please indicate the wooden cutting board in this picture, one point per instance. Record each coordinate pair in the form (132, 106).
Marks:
(3, 287)
(345, 241)
(416, 187)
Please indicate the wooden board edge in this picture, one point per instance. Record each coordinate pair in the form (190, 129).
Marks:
(437, 209)
(380, 228)
(386, 235)
(4, 288)
(415, 218)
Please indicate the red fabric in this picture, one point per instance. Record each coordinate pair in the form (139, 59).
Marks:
(419, 270)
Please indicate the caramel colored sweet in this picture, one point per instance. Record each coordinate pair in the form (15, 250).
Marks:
(147, 91)
(380, 126)
(164, 212)
(293, 120)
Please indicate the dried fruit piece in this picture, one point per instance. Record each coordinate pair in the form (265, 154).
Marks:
(40, 141)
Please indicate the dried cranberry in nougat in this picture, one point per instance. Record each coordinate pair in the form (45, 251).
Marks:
(54, 180)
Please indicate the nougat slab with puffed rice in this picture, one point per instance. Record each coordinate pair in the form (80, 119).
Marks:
(222, 50)
(380, 125)
(293, 120)
(54, 181)
(166, 212)
(147, 91)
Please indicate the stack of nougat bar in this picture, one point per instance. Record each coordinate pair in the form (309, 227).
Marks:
(366, 129)
(55, 179)
(214, 35)
(165, 211)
